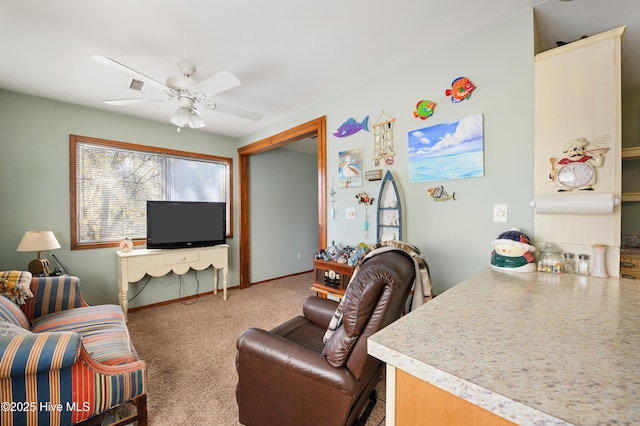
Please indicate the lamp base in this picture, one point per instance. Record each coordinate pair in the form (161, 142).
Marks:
(39, 266)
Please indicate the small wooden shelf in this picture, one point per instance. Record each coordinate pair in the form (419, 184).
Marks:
(631, 196)
(389, 209)
(631, 153)
(331, 277)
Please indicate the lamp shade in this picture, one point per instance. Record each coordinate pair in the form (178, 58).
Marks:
(181, 117)
(195, 121)
(38, 241)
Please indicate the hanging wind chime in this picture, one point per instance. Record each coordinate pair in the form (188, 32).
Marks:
(332, 194)
(383, 140)
(332, 212)
(363, 198)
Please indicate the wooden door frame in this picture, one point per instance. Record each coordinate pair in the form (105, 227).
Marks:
(315, 127)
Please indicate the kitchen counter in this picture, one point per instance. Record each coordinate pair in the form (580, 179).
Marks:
(534, 348)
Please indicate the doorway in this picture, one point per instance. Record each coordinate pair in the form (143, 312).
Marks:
(313, 128)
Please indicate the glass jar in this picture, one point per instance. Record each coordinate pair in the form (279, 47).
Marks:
(569, 263)
(583, 264)
(126, 244)
(550, 259)
(599, 267)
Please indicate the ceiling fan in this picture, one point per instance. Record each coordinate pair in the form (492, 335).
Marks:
(190, 94)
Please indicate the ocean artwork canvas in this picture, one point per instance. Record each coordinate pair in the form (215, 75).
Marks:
(445, 151)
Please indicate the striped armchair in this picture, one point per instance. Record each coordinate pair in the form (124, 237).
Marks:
(63, 361)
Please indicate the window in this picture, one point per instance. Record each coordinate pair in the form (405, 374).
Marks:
(112, 181)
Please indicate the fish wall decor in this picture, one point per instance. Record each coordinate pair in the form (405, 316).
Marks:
(351, 126)
(439, 194)
(363, 198)
(424, 109)
(461, 89)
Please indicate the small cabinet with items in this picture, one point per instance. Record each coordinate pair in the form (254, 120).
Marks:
(630, 266)
(330, 277)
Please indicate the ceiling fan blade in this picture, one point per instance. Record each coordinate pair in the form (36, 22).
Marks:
(217, 83)
(231, 110)
(124, 102)
(123, 68)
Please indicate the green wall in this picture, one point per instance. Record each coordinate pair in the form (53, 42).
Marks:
(631, 168)
(289, 196)
(34, 152)
(455, 236)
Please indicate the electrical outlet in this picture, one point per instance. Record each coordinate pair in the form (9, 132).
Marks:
(299, 256)
(500, 213)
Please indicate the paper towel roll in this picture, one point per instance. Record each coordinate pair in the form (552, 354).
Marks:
(582, 203)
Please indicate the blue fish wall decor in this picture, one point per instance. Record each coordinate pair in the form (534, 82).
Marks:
(351, 126)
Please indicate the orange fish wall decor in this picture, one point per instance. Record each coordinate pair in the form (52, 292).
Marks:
(461, 89)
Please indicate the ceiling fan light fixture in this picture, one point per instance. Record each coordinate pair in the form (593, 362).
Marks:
(195, 121)
(181, 116)
(189, 92)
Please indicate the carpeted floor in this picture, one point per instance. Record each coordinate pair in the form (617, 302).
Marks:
(190, 350)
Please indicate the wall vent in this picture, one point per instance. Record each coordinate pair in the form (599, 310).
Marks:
(135, 84)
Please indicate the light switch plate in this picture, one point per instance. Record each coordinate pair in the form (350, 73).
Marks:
(500, 213)
(350, 213)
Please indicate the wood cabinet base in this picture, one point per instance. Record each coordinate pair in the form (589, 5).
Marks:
(419, 402)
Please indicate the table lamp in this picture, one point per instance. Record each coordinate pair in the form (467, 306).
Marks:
(38, 241)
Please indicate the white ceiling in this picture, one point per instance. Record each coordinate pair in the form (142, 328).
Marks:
(289, 54)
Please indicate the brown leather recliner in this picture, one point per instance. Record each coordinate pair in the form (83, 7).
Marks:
(288, 376)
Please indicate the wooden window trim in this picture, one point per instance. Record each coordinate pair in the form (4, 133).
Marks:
(75, 139)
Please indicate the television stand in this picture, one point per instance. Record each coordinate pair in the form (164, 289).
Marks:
(135, 264)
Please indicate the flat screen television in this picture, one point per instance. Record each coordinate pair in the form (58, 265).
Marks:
(181, 224)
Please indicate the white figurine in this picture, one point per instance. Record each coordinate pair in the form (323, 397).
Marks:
(512, 251)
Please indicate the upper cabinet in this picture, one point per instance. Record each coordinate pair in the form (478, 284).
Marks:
(578, 95)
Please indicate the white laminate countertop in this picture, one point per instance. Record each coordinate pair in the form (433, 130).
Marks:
(535, 348)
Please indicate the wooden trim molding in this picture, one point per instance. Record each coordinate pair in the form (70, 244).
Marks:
(75, 139)
(308, 129)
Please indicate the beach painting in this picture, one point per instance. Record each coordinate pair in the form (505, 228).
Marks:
(350, 168)
(453, 150)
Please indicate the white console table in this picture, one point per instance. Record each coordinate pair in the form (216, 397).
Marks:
(133, 265)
